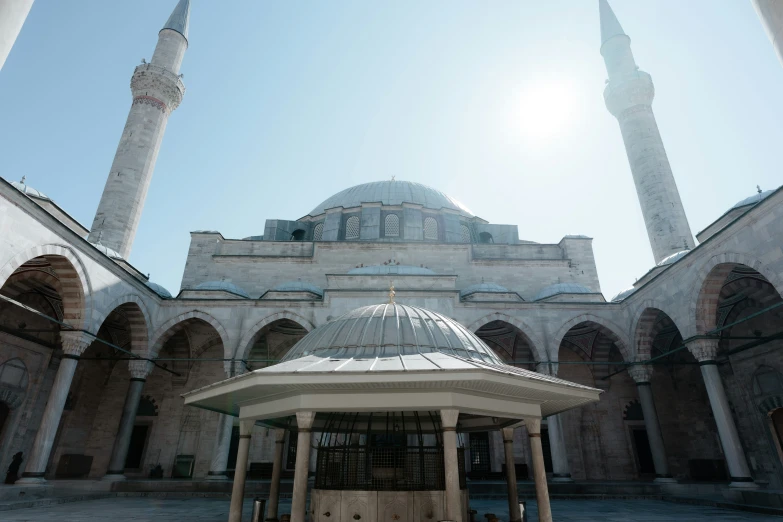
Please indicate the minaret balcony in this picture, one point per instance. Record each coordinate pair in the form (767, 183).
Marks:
(158, 82)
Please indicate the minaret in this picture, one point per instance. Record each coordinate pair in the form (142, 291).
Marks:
(157, 90)
(629, 94)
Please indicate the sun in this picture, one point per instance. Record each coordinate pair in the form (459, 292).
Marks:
(547, 109)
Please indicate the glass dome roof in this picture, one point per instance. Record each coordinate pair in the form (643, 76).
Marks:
(391, 193)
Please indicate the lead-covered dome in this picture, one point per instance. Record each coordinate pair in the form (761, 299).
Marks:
(391, 330)
(391, 193)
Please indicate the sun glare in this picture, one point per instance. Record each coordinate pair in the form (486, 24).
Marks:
(546, 109)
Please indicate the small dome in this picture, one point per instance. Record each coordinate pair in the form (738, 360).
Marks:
(562, 288)
(224, 286)
(752, 200)
(673, 258)
(28, 190)
(299, 286)
(391, 269)
(622, 295)
(490, 288)
(107, 251)
(390, 331)
(159, 289)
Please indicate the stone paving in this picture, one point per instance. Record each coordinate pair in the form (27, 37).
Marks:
(141, 509)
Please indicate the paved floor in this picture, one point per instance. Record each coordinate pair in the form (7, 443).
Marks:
(204, 509)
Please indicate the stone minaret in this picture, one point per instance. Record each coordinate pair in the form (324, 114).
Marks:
(771, 14)
(157, 90)
(629, 94)
(13, 13)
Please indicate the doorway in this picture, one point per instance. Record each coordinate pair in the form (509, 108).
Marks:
(641, 444)
(136, 446)
(479, 452)
(546, 449)
(5, 412)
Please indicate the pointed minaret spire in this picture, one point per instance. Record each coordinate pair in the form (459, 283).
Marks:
(180, 18)
(610, 26)
(629, 95)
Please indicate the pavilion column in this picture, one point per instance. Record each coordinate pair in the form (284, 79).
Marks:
(705, 351)
(453, 507)
(139, 370)
(73, 344)
(277, 470)
(539, 472)
(240, 472)
(642, 374)
(514, 514)
(219, 463)
(304, 422)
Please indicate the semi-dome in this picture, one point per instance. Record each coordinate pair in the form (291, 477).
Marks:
(224, 286)
(753, 200)
(299, 286)
(390, 331)
(622, 295)
(490, 288)
(391, 269)
(391, 193)
(158, 289)
(562, 288)
(107, 251)
(27, 190)
(668, 260)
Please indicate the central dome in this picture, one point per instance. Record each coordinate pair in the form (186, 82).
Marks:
(390, 331)
(391, 193)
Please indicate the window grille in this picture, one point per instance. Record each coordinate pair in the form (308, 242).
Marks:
(392, 226)
(465, 233)
(352, 228)
(430, 229)
(318, 232)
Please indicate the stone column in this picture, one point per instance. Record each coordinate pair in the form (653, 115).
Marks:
(514, 514)
(705, 351)
(238, 490)
(219, 462)
(642, 374)
(539, 472)
(304, 422)
(561, 472)
(74, 344)
(277, 470)
(453, 504)
(139, 370)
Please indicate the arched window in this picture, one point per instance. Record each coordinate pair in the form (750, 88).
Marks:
(767, 381)
(486, 237)
(352, 228)
(430, 229)
(318, 232)
(298, 235)
(391, 226)
(465, 233)
(147, 407)
(13, 374)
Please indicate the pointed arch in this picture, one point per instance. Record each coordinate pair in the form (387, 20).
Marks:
(135, 311)
(244, 346)
(642, 328)
(173, 325)
(537, 345)
(605, 326)
(74, 281)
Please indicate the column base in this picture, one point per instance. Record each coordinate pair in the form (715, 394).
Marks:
(736, 482)
(217, 475)
(32, 479)
(114, 476)
(556, 477)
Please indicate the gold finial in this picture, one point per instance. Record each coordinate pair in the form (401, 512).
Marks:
(392, 293)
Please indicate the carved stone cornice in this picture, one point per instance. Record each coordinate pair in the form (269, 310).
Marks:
(74, 343)
(152, 83)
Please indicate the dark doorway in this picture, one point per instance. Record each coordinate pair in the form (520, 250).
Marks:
(643, 453)
(777, 423)
(5, 412)
(290, 461)
(136, 447)
(233, 448)
(479, 452)
(547, 449)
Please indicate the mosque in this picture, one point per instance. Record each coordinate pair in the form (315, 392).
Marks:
(95, 358)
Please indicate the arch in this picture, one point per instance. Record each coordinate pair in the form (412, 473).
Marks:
(138, 316)
(642, 331)
(486, 237)
(298, 235)
(430, 229)
(166, 330)
(391, 225)
(608, 328)
(244, 346)
(538, 347)
(75, 284)
(703, 301)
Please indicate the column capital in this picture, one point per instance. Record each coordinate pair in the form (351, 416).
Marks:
(139, 368)
(449, 418)
(533, 425)
(75, 343)
(508, 434)
(703, 349)
(305, 420)
(640, 373)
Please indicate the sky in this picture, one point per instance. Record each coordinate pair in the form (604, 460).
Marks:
(499, 104)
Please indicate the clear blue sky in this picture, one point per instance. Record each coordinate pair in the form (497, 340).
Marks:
(497, 103)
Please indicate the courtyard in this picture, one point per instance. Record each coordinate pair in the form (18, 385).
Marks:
(141, 509)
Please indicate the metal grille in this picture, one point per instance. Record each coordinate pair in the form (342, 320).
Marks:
(352, 228)
(290, 461)
(318, 232)
(479, 451)
(392, 225)
(430, 229)
(381, 468)
(465, 233)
